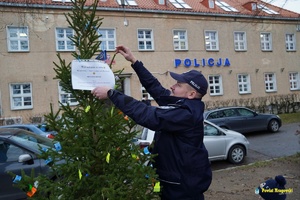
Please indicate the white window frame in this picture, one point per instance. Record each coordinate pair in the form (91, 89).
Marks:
(108, 39)
(240, 41)
(180, 4)
(127, 2)
(65, 39)
(21, 97)
(270, 82)
(69, 99)
(266, 9)
(211, 40)
(145, 94)
(145, 39)
(211, 3)
(17, 38)
(226, 7)
(290, 42)
(215, 85)
(254, 6)
(161, 2)
(266, 41)
(180, 41)
(294, 79)
(244, 84)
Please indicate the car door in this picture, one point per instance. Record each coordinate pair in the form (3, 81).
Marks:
(10, 164)
(252, 122)
(217, 117)
(214, 142)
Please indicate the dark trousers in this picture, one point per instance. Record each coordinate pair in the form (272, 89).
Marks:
(179, 192)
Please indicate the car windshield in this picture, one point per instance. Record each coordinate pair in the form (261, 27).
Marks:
(32, 141)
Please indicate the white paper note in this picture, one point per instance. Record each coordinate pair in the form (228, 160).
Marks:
(88, 74)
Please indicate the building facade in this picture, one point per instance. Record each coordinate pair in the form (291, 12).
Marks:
(248, 50)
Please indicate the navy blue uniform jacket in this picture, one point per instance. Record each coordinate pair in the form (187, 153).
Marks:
(182, 162)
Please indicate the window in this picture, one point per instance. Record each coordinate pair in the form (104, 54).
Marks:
(225, 6)
(108, 39)
(245, 112)
(270, 82)
(65, 97)
(63, 42)
(180, 40)
(210, 130)
(216, 115)
(294, 80)
(244, 84)
(17, 39)
(240, 43)
(215, 85)
(146, 95)
(127, 2)
(290, 42)
(267, 10)
(253, 6)
(21, 96)
(179, 4)
(145, 40)
(125, 83)
(13, 152)
(161, 2)
(266, 41)
(211, 3)
(229, 113)
(211, 41)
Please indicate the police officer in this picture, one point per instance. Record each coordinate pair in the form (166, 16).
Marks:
(182, 160)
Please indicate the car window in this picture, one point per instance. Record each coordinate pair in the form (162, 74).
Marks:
(14, 152)
(230, 113)
(32, 137)
(24, 128)
(209, 130)
(216, 115)
(32, 142)
(245, 112)
(3, 151)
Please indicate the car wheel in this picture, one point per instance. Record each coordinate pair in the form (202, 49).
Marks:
(236, 154)
(273, 126)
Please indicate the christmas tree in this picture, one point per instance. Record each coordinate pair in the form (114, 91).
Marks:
(93, 155)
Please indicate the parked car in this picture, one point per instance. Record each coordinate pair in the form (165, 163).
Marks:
(19, 150)
(243, 120)
(221, 144)
(32, 128)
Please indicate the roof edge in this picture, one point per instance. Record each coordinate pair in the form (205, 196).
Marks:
(65, 7)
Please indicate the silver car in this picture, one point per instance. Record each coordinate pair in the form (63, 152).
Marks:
(32, 128)
(221, 144)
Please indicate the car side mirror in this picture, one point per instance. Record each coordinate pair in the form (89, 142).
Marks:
(26, 159)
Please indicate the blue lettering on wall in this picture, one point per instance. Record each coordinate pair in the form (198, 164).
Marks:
(227, 62)
(195, 63)
(177, 62)
(209, 62)
(219, 63)
(187, 62)
(203, 62)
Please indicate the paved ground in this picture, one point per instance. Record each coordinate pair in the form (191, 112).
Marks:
(269, 156)
(265, 145)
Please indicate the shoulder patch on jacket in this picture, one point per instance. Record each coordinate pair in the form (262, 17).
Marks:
(170, 106)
